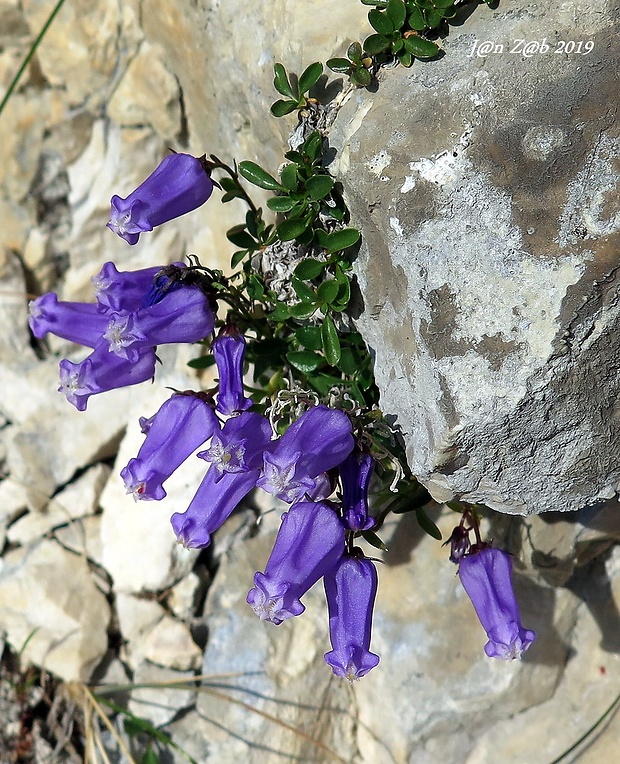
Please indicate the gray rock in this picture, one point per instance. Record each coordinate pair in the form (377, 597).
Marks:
(488, 273)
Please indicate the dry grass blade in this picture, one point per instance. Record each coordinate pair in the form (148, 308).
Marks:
(92, 701)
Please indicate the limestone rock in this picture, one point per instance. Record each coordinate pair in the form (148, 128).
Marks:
(171, 694)
(488, 272)
(50, 605)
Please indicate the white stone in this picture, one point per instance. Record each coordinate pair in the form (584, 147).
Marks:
(52, 609)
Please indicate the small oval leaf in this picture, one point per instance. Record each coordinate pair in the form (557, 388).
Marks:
(280, 203)
(309, 268)
(339, 240)
(288, 177)
(421, 48)
(281, 82)
(309, 337)
(291, 229)
(381, 22)
(397, 12)
(328, 291)
(259, 177)
(304, 360)
(281, 108)
(331, 341)
(310, 77)
(319, 186)
(340, 65)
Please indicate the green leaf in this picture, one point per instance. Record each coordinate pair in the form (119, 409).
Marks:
(427, 525)
(310, 77)
(416, 20)
(443, 4)
(303, 310)
(331, 342)
(303, 291)
(255, 288)
(421, 48)
(291, 229)
(319, 186)
(349, 361)
(289, 177)
(237, 257)
(281, 203)
(376, 43)
(282, 84)
(433, 18)
(204, 362)
(339, 240)
(322, 383)
(405, 58)
(240, 237)
(340, 65)
(309, 268)
(280, 313)
(309, 337)
(354, 52)
(327, 291)
(374, 540)
(381, 22)
(397, 12)
(228, 184)
(150, 757)
(312, 146)
(259, 177)
(361, 77)
(282, 108)
(304, 360)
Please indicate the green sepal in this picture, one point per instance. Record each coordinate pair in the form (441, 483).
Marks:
(427, 525)
(319, 186)
(376, 43)
(309, 77)
(203, 362)
(304, 360)
(259, 177)
(309, 268)
(282, 84)
(380, 22)
(374, 540)
(281, 203)
(282, 108)
(421, 48)
(331, 342)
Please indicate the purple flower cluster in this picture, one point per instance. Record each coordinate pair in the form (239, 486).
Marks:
(135, 311)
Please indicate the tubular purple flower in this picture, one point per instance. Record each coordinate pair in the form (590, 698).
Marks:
(180, 184)
(182, 424)
(351, 588)
(309, 543)
(235, 455)
(183, 315)
(228, 351)
(123, 291)
(79, 322)
(319, 440)
(102, 371)
(355, 472)
(486, 577)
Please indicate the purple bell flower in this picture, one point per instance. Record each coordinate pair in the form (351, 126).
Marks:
(235, 455)
(486, 577)
(102, 371)
(183, 315)
(318, 441)
(123, 291)
(355, 473)
(179, 185)
(182, 424)
(228, 351)
(351, 588)
(309, 543)
(79, 322)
